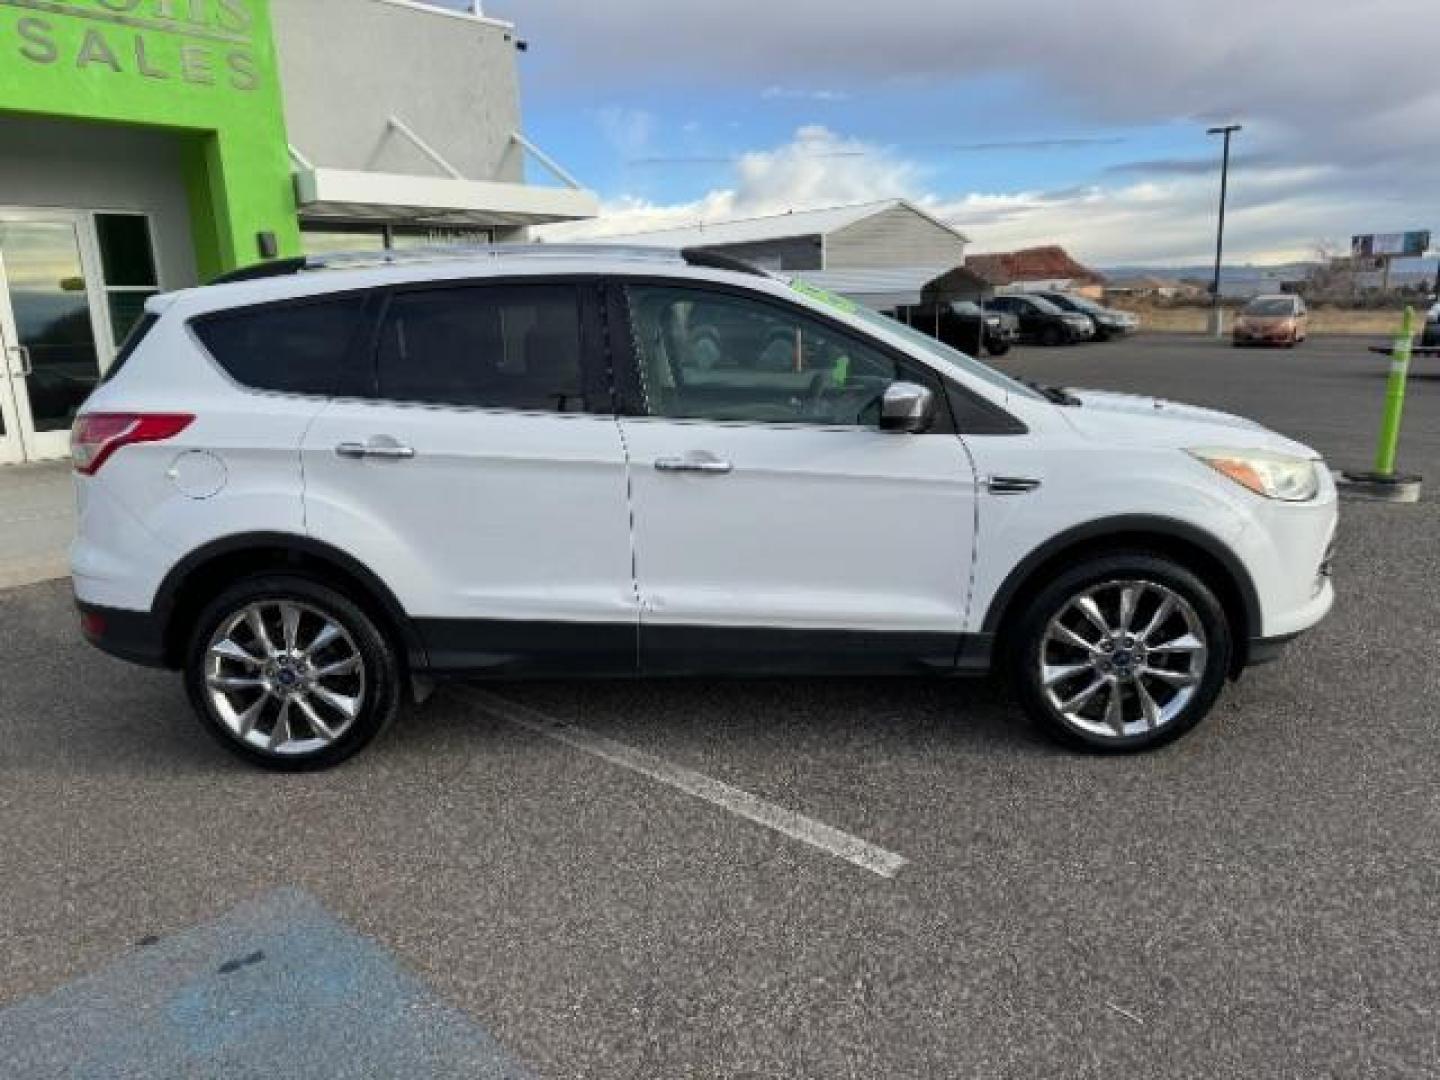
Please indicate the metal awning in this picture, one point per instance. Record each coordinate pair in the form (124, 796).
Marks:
(341, 194)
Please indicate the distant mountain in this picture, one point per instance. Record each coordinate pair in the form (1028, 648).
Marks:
(1248, 280)
(1277, 272)
(1246, 272)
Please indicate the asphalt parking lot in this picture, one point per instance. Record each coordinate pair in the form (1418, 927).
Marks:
(487, 893)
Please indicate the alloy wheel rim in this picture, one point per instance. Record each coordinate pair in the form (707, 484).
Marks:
(285, 678)
(1123, 658)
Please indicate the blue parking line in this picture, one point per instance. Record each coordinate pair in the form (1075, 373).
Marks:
(276, 988)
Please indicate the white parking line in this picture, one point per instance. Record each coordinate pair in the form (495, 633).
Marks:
(741, 803)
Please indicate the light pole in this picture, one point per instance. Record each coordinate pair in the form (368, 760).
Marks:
(1216, 320)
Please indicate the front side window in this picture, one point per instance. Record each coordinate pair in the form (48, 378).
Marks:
(716, 356)
(484, 346)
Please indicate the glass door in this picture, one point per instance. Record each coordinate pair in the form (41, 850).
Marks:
(48, 308)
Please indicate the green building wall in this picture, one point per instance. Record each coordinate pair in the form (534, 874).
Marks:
(204, 69)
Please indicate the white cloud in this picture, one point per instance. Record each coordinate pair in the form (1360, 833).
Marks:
(1277, 212)
(815, 168)
(1342, 85)
(790, 93)
(628, 131)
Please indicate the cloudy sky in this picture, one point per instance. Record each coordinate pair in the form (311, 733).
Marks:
(1033, 122)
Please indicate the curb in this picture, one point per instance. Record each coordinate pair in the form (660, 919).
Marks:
(17, 573)
(1375, 487)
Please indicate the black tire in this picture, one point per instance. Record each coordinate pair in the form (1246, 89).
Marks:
(379, 668)
(1052, 336)
(999, 348)
(1027, 636)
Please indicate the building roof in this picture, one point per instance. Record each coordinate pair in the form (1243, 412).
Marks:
(1049, 263)
(777, 226)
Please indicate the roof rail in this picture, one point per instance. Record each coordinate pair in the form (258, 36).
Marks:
(718, 260)
(256, 271)
(357, 260)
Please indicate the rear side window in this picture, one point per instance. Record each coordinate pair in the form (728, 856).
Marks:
(293, 348)
(486, 346)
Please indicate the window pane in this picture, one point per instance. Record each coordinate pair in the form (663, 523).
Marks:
(125, 251)
(439, 237)
(327, 241)
(125, 311)
(297, 348)
(496, 347)
(716, 357)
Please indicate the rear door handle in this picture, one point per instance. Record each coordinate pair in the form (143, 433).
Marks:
(388, 451)
(712, 465)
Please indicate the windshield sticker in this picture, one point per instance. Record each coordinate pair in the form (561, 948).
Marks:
(829, 299)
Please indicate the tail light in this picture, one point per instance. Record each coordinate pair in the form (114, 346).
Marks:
(96, 436)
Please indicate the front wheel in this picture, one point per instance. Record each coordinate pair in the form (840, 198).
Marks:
(998, 348)
(1122, 653)
(289, 674)
(1052, 336)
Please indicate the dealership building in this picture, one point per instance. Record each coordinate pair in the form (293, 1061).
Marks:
(149, 145)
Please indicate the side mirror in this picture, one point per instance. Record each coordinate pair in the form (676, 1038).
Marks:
(907, 408)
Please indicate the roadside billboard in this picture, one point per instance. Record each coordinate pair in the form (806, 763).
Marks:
(1406, 245)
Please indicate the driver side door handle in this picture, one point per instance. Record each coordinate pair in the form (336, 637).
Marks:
(1011, 485)
(706, 464)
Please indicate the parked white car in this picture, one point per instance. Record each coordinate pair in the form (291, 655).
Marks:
(317, 490)
(1430, 336)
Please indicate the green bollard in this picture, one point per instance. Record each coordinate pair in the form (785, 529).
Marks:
(1384, 484)
(1389, 446)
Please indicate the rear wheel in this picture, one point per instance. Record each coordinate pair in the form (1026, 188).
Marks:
(1123, 653)
(289, 674)
(997, 348)
(1052, 336)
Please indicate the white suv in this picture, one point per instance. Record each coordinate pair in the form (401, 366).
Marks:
(318, 486)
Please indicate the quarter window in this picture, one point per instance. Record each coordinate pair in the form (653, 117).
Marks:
(490, 346)
(294, 348)
(713, 356)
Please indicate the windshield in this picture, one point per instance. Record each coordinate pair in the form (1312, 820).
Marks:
(1046, 306)
(925, 343)
(1270, 308)
(1089, 307)
(921, 341)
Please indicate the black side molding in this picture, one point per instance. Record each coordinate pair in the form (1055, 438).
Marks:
(1128, 525)
(1268, 650)
(135, 636)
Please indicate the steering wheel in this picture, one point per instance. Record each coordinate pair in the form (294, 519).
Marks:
(814, 406)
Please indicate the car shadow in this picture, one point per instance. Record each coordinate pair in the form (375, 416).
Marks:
(952, 716)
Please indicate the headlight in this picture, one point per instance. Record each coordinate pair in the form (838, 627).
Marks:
(1275, 476)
